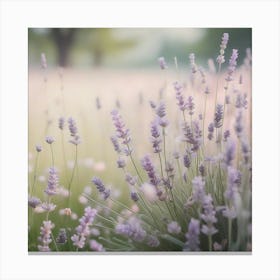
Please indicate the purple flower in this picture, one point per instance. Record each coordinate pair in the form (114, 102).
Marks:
(245, 151)
(232, 65)
(226, 135)
(49, 139)
(121, 163)
(83, 229)
(95, 246)
(134, 196)
(38, 148)
(192, 236)
(155, 139)
(187, 161)
(223, 45)
(160, 110)
(173, 227)
(179, 96)
(53, 182)
(149, 167)
(201, 170)
(61, 122)
(152, 241)
(116, 144)
(229, 153)
(193, 136)
(239, 124)
(210, 131)
(121, 131)
(48, 207)
(162, 63)
(206, 91)
(33, 201)
(99, 184)
(190, 105)
(233, 178)
(45, 236)
(218, 116)
(73, 132)
(131, 228)
(62, 236)
(198, 189)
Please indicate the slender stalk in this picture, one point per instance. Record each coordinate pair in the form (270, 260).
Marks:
(72, 175)
(52, 155)
(229, 233)
(217, 83)
(210, 242)
(35, 174)
(131, 158)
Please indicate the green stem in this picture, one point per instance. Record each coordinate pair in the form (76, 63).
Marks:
(72, 176)
(35, 174)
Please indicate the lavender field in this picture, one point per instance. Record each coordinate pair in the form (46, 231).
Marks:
(142, 160)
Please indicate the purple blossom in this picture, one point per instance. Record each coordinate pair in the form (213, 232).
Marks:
(160, 110)
(192, 236)
(99, 184)
(48, 207)
(121, 163)
(116, 144)
(226, 135)
(218, 116)
(155, 139)
(131, 228)
(239, 124)
(83, 229)
(73, 132)
(229, 153)
(134, 196)
(190, 105)
(45, 236)
(232, 65)
(61, 122)
(149, 167)
(193, 136)
(245, 151)
(131, 180)
(187, 161)
(201, 169)
(198, 189)
(162, 63)
(53, 182)
(49, 139)
(210, 131)
(34, 201)
(206, 91)
(223, 45)
(233, 178)
(38, 148)
(95, 246)
(179, 96)
(173, 227)
(121, 131)
(152, 241)
(62, 236)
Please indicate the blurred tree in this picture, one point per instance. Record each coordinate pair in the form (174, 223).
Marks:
(63, 39)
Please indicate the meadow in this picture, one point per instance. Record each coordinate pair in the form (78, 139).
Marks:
(141, 160)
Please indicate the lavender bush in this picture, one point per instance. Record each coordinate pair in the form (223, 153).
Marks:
(177, 180)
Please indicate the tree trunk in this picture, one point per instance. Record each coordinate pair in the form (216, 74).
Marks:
(63, 39)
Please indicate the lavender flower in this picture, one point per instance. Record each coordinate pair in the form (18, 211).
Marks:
(38, 148)
(206, 91)
(160, 110)
(155, 136)
(208, 216)
(101, 187)
(193, 136)
(187, 161)
(201, 169)
(233, 179)
(134, 196)
(210, 131)
(62, 236)
(49, 139)
(192, 236)
(238, 124)
(149, 167)
(232, 65)
(83, 229)
(202, 73)
(95, 246)
(116, 144)
(198, 189)
(34, 201)
(131, 228)
(45, 236)
(48, 207)
(223, 45)
(179, 96)
(245, 151)
(229, 153)
(61, 122)
(190, 105)
(121, 131)
(192, 62)
(173, 227)
(121, 163)
(218, 116)
(226, 135)
(162, 63)
(73, 132)
(53, 182)
(152, 241)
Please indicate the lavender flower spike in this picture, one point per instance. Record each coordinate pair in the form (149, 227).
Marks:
(53, 182)
(155, 139)
(101, 187)
(150, 169)
(38, 148)
(232, 65)
(83, 229)
(229, 153)
(198, 189)
(45, 236)
(192, 62)
(121, 130)
(61, 122)
(192, 236)
(49, 139)
(173, 227)
(218, 116)
(73, 132)
(210, 131)
(223, 45)
(179, 96)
